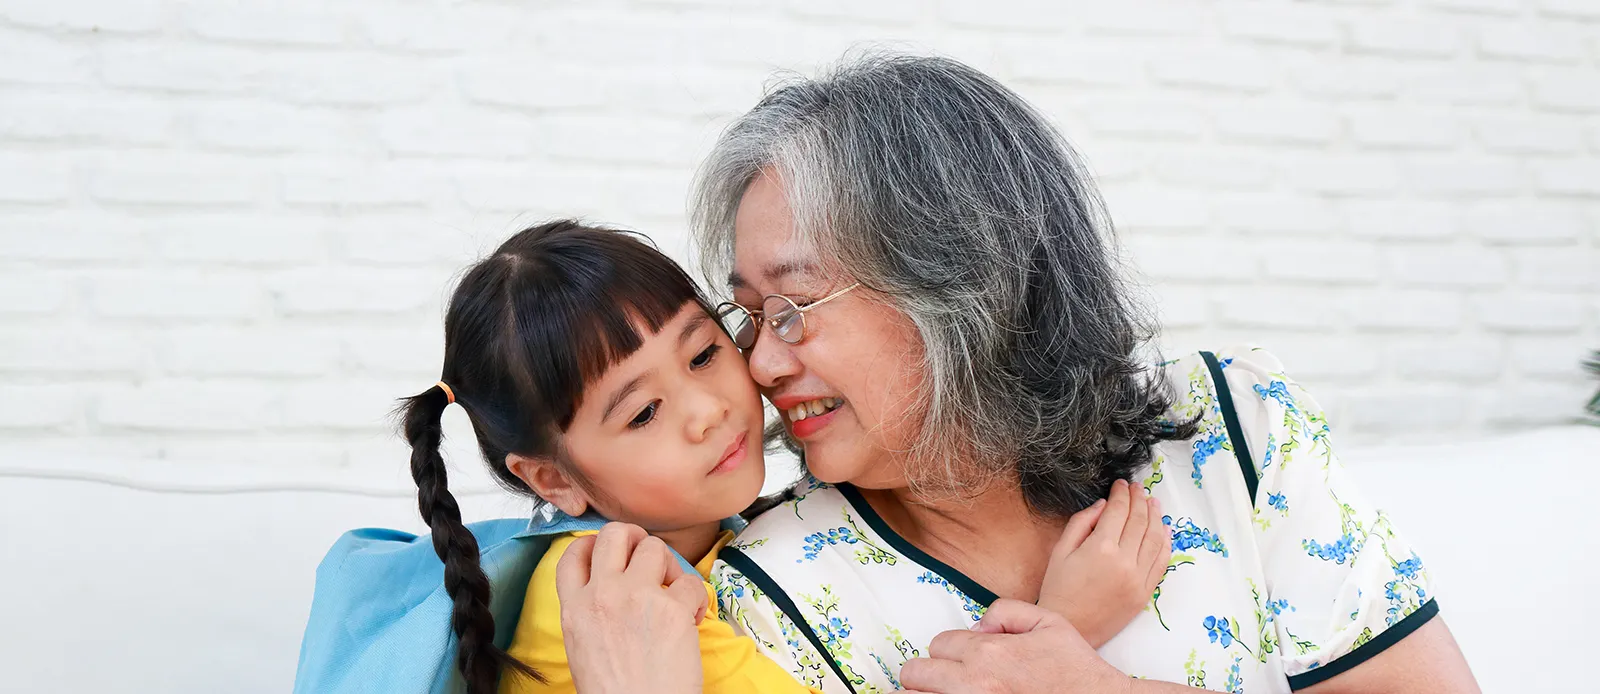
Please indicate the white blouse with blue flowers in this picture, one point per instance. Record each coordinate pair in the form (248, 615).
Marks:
(1281, 575)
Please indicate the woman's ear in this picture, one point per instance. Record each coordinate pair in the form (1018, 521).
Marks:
(549, 482)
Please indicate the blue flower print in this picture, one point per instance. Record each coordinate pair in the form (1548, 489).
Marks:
(848, 534)
(1276, 607)
(1409, 567)
(1186, 536)
(1338, 551)
(1204, 449)
(1279, 391)
(816, 541)
(1220, 629)
(974, 610)
(1278, 501)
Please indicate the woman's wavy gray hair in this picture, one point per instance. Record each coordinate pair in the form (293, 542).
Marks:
(947, 194)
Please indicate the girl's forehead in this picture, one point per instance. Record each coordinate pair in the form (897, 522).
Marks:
(629, 373)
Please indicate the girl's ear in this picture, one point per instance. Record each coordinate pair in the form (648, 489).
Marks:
(549, 482)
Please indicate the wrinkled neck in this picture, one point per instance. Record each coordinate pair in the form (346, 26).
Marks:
(991, 536)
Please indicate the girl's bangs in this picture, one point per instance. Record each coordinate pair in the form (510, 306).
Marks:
(581, 314)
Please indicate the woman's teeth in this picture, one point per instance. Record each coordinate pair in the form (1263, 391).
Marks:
(814, 408)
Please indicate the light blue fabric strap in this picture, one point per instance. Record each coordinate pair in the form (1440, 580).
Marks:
(559, 523)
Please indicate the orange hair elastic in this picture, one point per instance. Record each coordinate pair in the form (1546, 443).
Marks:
(447, 392)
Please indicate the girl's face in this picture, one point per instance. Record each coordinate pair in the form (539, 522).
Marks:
(855, 348)
(669, 437)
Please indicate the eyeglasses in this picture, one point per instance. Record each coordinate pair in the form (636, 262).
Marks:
(786, 318)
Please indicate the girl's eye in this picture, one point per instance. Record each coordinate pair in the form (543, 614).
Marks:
(644, 416)
(704, 358)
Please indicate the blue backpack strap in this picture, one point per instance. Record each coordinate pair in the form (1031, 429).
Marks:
(380, 614)
(1230, 418)
(561, 524)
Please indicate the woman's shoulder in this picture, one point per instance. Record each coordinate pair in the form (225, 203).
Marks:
(1244, 366)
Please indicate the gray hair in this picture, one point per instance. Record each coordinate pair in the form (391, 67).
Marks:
(964, 208)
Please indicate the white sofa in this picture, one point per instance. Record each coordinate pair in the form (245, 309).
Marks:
(177, 578)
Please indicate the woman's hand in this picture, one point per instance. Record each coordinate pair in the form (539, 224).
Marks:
(1107, 563)
(1017, 648)
(623, 631)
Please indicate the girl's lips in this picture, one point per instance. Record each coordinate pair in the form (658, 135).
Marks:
(813, 424)
(734, 456)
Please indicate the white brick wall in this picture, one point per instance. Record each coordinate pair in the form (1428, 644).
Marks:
(226, 229)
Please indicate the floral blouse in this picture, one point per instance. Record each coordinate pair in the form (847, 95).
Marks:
(1281, 574)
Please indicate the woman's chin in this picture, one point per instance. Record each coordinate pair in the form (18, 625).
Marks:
(828, 465)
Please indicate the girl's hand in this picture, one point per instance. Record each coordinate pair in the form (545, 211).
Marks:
(1016, 648)
(1107, 564)
(623, 631)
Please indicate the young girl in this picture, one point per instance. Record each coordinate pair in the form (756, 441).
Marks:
(599, 381)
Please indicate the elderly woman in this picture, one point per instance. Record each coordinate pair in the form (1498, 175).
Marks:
(924, 286)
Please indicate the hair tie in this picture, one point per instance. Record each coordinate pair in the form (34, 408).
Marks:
(450, 394)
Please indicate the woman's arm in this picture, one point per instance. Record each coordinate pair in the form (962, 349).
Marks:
(1022, 648)
(622, 631)
(1426, 660)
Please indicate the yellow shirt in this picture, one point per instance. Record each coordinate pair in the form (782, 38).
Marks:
(730, 662)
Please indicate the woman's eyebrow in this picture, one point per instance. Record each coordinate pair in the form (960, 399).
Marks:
(775, 272)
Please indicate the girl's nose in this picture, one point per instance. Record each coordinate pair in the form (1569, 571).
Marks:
(708, 409)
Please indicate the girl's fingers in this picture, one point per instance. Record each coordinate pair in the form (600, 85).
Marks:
(1078, 528)
(613, 547)
(1158, 568)
(1138, 518)
(572, 572)
(1115, 514)
(1155, 535)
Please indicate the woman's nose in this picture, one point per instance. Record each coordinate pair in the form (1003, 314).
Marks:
(771, 360)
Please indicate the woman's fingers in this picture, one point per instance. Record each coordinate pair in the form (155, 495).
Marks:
(952, 645)
(929, 674)
(614, 545)
(572, 572)
(690, 592)
(673, 570)
(1007, 616)
(649, 561)
(1078, 528)
(1115, 514)
(1138, 518)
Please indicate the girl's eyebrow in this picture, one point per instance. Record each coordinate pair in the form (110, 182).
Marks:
(693, 325)
(689, 329)
(622, 393)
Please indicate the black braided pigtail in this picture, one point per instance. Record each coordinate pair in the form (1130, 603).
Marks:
(478, 658)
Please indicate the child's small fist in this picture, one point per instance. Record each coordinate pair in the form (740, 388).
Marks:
(1107, 564)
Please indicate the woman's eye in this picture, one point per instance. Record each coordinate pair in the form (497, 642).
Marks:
(704, 358)
(644, 416)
